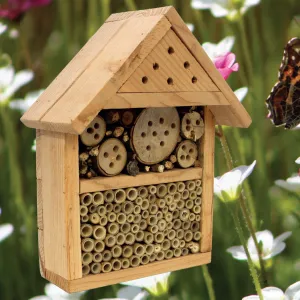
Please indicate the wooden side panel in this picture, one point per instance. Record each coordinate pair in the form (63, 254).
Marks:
(170, 67)
(207, 151)
(60, 194)
(41, 252)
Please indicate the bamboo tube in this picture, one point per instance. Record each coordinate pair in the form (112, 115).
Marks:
(113, 228)
(160, 255)
(180, 204)
(125, 228)
(192, 217)
(127, 251)
(103, 221)
(157, 248)
(139, 249)
(137, 209)
(85, 270)
(161, 203)
(172, 188)
(188, 236)
(182, 243)
(98, 198)
(86, 258)
(152, 198)
(165, 245)
(186, 225)
(198, 182)
(112, 217)
(198, 201)
(165, 232)
(153, 209)
(193, 195)
(109, 196)
(152, 189)
(168, 217)
(131, 193)
(159, 237)
(172, 207)
(158, 168)
(169, 225)
(152, 257)
(185, 194)
(121, 218)
(195, 226)
(149, 249)
(191, 185)
(162, 225)
(94, 218)
(106, 255)
(86, 199)
(194, 247)
(99, 246)
(120, 237)
(177, 252)
(83, 210)
(134, 228)
(145, 259)
(134, 261)
(125, 263)
(117, 208)
(185, 251)
(197, 236)
(101, 210)
(87, 245)
(92, 208)
(129, 238)
(139, 200)
(161, 190)
(84, 219)
(148, 237)
(175, 243)
(145, 204)
(97, 257)
(137, 219)
(106, 267)
(139, 236)
(159, 215)
(171, 234)
(199, 191)
(119, 196)
(176, 197)
(189, 204)
(176, 224)
(86, 230)
(168, 254)
(116, 264)
(145, 214)
(180, 234)
(129, 218)
(99, 232)
(127, 207)
(142, 191)
(169, 199)
(110, 240)
(198, 218)
(175, 214)
(153, 229)
(143, 224)
(165, 210)
(184, 214)
(95, 268)
(109, 207)
(180, 186)
(152, 220)
(197, 209)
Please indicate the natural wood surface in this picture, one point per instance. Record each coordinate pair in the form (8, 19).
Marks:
(192, 126)
(207, 150)
(131, 100)
(123, 181)
(186, 153)
(104, 279)
(60, 194)
(41, 252)
(170, 67)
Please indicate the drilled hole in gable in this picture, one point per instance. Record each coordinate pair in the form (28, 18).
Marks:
(144, 79)
(155, 66)
(194, 79)
(171, 50)
(161, 120)
(186, 65)
(166, 133)
(170, 80)
(143, 134)
(148, 148)
(150, 123)
(154, 133)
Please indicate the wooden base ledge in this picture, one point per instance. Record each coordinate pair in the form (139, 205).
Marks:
(104, 279)
(123, 181)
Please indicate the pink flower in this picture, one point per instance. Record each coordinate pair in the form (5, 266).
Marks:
(13, 9)
(225, 64)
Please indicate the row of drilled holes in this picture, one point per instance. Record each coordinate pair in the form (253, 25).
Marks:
(91, 130)
(118, 158)
(170, 80)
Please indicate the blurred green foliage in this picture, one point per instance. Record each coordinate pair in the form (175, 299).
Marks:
(50, 36)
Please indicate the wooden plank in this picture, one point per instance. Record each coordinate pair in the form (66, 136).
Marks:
(170, 67)
(208, 151)
(70, 74)
(123, 181)
(41, 252)
(104, 279)
(39, 204)
(102, 78)
(133, 100)
(60, 194)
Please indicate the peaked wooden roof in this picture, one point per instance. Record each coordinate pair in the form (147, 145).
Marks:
(94, 78)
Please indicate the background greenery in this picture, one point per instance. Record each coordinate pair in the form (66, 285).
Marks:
(49, 38)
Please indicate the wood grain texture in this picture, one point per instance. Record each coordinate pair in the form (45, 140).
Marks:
(41, 252)
(207, 152)
(39, 194)
(60, 194)
(170, 67)
(124, 181)
(104, 279)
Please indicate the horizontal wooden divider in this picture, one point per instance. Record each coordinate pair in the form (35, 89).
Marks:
(123, 181)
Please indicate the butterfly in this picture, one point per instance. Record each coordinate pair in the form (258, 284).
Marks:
(283, 102)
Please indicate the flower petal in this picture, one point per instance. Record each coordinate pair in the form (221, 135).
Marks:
(6, 77)
(249, 3)
(5, 231)
(297, 161)
(282, 237)
(201, 4)
(3, 28)
(241, 93)
(40, 298)
(246, 171)
(266, 237)
(24, 104)
(218, 11)
(293, 291)
(276, 250)
(128, 292)
(252, 297)
(190, 26)
(272, 293)
(290, 185)
(237, 252)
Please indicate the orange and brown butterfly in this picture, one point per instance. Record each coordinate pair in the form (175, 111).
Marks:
(284, 100)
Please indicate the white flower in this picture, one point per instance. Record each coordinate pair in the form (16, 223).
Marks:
(228, 186)
(270, 246)
(5, 230)
(216, 50)
(241, 93)
(3, 28)
(222, 8)
(190, 26)
(292, 184)
(297, 161)
(10, 81)
(274, 293)
(24, 104)
(33, 147)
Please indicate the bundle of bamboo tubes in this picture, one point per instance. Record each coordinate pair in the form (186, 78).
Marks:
(126, 228)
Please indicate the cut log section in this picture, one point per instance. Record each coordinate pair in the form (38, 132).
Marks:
(155, 134)
(186, 153)
(94, 133)
(112, 157)
(192, 126)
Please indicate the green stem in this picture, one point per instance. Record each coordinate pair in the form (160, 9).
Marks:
(208, 282)
(225, 148)
(105, 9)
(130, 4)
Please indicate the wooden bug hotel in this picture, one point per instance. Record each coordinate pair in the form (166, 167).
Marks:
(125, 153)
